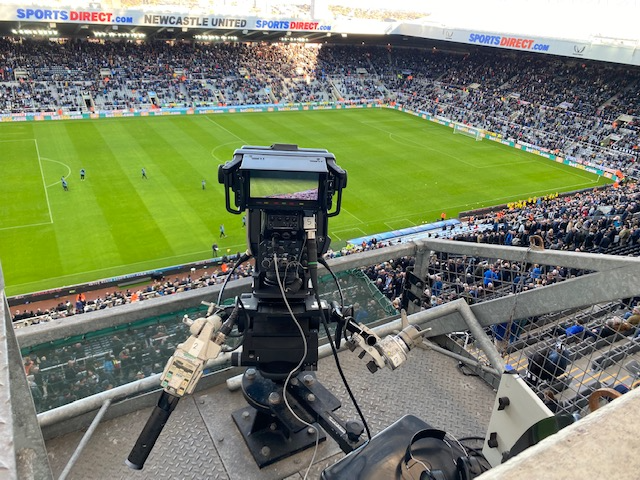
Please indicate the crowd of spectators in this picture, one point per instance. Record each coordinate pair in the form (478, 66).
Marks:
(90, 302)
(592, 221)
(61, 375)
(582, 110)
(604, 220)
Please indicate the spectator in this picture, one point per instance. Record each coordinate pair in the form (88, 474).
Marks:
(577, 329)
(547, 365)
(634, 319)
(613, 326)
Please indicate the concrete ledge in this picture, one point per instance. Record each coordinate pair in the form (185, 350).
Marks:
(601, 445)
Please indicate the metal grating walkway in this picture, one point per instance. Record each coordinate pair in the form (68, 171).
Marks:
(200, 441)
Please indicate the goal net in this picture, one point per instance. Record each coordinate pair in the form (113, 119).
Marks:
(476, 133)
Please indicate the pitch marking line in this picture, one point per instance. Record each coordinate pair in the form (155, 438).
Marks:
(217, 147)
(44, 184)
(576, 173)
(373, 122)
(347, 211)
(335, 233)
(406, 141)
(403, 221)
(61, 163)
(499, 165)
(223, 128)
(488, 201)
(26, 226)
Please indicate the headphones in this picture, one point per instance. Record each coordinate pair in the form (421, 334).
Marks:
(463, 467)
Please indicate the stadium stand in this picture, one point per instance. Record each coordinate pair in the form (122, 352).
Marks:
(585, 112)
(99, 300)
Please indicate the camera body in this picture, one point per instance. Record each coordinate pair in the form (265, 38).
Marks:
(287, 194)
(277, 188)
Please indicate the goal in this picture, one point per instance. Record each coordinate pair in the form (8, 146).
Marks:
(476, 133)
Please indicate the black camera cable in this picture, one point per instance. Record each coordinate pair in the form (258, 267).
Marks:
(297, 367)
(312, 249)
(243, 258)
(341, 331)
(324, 263)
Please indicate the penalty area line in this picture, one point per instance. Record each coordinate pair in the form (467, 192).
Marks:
(26, 226)
(223, 128)
(347, 211)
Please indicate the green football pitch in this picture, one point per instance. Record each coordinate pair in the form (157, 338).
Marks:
(402, 170)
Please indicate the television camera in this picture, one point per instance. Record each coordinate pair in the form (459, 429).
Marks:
(287, 194)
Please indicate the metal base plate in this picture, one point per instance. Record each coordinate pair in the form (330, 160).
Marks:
(270, 444)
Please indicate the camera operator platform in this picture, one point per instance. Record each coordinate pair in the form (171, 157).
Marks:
(201, 439)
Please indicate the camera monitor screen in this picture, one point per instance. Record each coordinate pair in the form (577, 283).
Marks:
(284, 185)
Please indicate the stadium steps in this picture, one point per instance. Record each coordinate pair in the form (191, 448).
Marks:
(506, 85)
(580, 379)
(334, 90)
(631, 87)
(627, 249)
(617, 353)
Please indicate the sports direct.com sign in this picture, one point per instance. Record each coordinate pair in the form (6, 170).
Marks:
(509, 42)
(138, 18)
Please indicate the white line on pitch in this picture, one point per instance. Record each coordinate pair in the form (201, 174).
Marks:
(44, 184)
(145, 262)
(223, 128)
(345, 210)
(26, 226)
